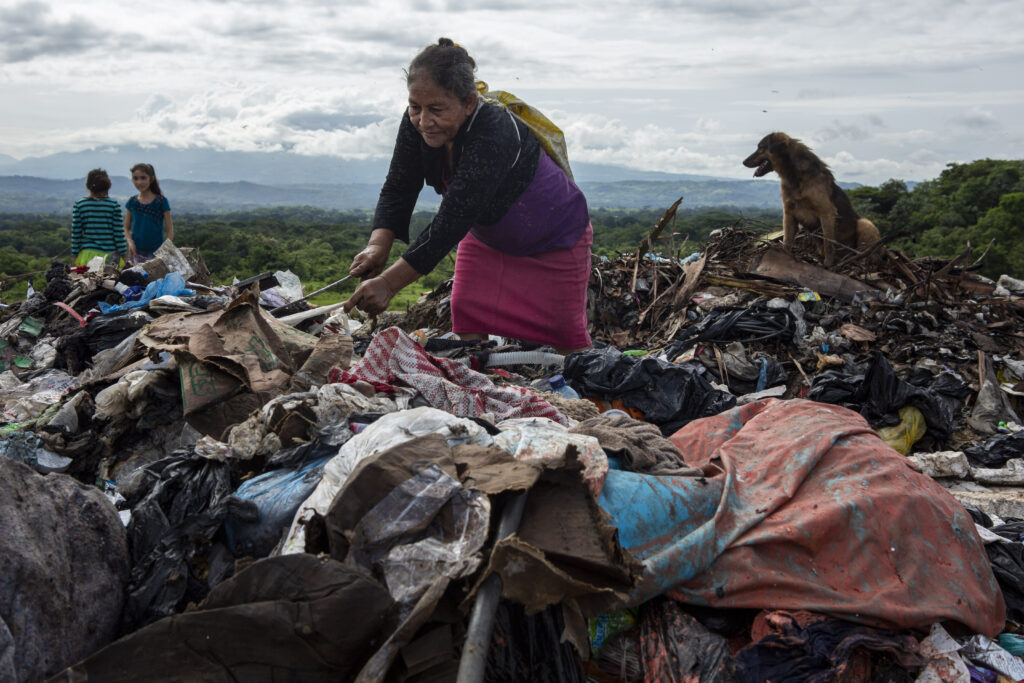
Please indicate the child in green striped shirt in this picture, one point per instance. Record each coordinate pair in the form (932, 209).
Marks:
(96, 223)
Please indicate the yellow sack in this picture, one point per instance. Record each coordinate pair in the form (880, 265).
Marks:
(903, 436)
(550, 135)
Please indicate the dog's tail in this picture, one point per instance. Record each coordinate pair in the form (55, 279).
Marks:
(867, 234)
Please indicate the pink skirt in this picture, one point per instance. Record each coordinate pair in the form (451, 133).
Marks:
(540, 298)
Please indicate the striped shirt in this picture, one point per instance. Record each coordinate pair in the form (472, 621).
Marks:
(96, 223)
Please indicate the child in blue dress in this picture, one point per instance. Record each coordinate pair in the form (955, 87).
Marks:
(147, 221)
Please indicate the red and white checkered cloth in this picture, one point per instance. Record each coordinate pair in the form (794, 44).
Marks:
(395, 358)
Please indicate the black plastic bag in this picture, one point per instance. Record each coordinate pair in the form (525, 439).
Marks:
(1008, 566)
(744, 324)
(978, 517)
(669, 395)
(107, 331)
(995, 451)
(170, 535)
(879, 394)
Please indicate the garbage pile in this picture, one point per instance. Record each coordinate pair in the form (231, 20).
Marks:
(764, 470)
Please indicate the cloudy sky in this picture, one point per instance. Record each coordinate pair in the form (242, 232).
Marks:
(878, 89)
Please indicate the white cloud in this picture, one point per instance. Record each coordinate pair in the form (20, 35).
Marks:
(977, 119)
(685, 86)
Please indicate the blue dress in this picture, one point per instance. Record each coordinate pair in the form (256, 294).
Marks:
(148, 222)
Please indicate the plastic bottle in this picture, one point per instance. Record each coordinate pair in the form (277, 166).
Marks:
(559, 386)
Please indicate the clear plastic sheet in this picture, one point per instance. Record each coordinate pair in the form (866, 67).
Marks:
(391, 430)
(405, 538)
(27, 400)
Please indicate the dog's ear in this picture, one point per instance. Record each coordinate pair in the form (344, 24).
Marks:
(776, 143)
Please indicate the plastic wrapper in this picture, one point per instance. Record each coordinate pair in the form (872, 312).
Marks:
(533, 648)
(335, 402)
(211, 449)
(620, 657)
(174, 260)
(107, 331)
(108, 360)
(991, 406)
(123, 398)
(678, 649)
(601, 628)
(987, 653)
(403, 513)
(43, 355)
(289, 286)
(745, 323)
(66, 418)
(1008, 567)
(944, 663)
(251, 438)
(743, 375)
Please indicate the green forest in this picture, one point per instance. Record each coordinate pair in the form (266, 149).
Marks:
(980, 204)
(318, 244)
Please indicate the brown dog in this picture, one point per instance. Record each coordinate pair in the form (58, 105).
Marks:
(810, 196)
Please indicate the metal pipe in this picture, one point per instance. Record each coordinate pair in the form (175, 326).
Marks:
(311, 294)
(473, 662)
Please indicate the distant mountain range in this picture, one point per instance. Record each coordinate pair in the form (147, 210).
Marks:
(195, 182)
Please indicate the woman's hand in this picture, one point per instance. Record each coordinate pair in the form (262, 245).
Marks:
(371, 296)
(132, 254)
(370, 262)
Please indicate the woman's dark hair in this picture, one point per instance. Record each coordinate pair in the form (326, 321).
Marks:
(154, 186)
(97, 182)
(448, 65)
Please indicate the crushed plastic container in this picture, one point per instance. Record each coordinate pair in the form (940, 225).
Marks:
(559, 386)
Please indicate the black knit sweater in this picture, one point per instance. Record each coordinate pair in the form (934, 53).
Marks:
(492, 166)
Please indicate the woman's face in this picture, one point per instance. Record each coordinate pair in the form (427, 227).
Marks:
(141, 180)
(436, 113)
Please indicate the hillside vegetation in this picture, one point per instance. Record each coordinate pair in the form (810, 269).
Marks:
(318, 245)
(980, 203)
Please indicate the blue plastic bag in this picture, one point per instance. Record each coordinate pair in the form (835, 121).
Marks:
(173, 284)
(276, 496)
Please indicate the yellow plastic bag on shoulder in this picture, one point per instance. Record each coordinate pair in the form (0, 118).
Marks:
(551, 137)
